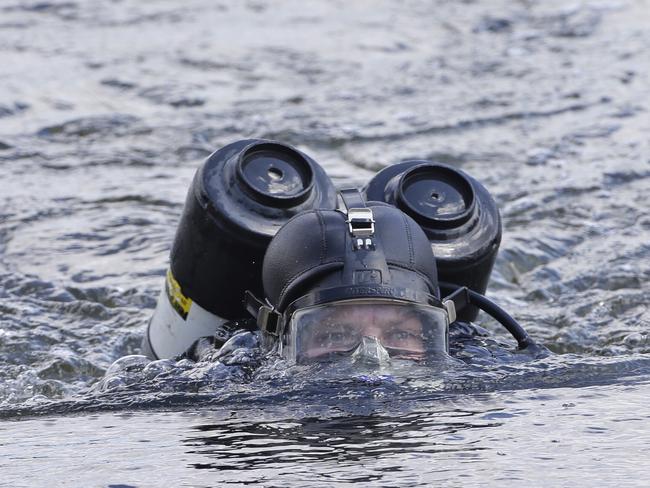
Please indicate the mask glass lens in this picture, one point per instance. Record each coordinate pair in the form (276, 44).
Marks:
(406, 330)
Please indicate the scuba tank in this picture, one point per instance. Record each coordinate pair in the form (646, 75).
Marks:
(240, 196)
(457, 214)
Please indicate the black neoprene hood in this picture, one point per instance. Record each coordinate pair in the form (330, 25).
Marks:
(315, 251)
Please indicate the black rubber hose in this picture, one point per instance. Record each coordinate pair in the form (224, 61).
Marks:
(500, 315)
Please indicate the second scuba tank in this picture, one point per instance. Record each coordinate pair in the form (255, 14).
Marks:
(457, 214)
(240, 196)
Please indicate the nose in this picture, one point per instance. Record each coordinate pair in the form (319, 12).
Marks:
(370, 351)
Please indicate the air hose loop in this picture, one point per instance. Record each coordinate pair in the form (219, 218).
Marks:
(494, 311)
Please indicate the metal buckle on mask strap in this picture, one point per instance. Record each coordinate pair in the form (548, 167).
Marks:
(268, 319)
(361, 221)
(455, 302)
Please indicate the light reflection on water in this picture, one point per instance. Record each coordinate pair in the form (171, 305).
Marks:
(531, 436)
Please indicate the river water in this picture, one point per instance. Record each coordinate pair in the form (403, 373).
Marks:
(107, 109)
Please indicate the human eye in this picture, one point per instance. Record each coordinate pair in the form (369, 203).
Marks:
(401, 337)
(336, 335)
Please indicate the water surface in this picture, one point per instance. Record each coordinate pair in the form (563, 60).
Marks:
(107, 109)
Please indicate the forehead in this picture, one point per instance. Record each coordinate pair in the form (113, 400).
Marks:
(370, 312)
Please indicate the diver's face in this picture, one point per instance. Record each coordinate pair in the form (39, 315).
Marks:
(398, 330)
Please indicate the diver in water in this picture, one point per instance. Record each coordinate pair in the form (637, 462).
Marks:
(356, 280)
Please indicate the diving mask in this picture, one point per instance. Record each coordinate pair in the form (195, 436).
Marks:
(405, 330)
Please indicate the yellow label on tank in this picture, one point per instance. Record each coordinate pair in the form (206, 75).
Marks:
(180, 302)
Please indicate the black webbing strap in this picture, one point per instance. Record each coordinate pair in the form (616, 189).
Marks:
(352, 198)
